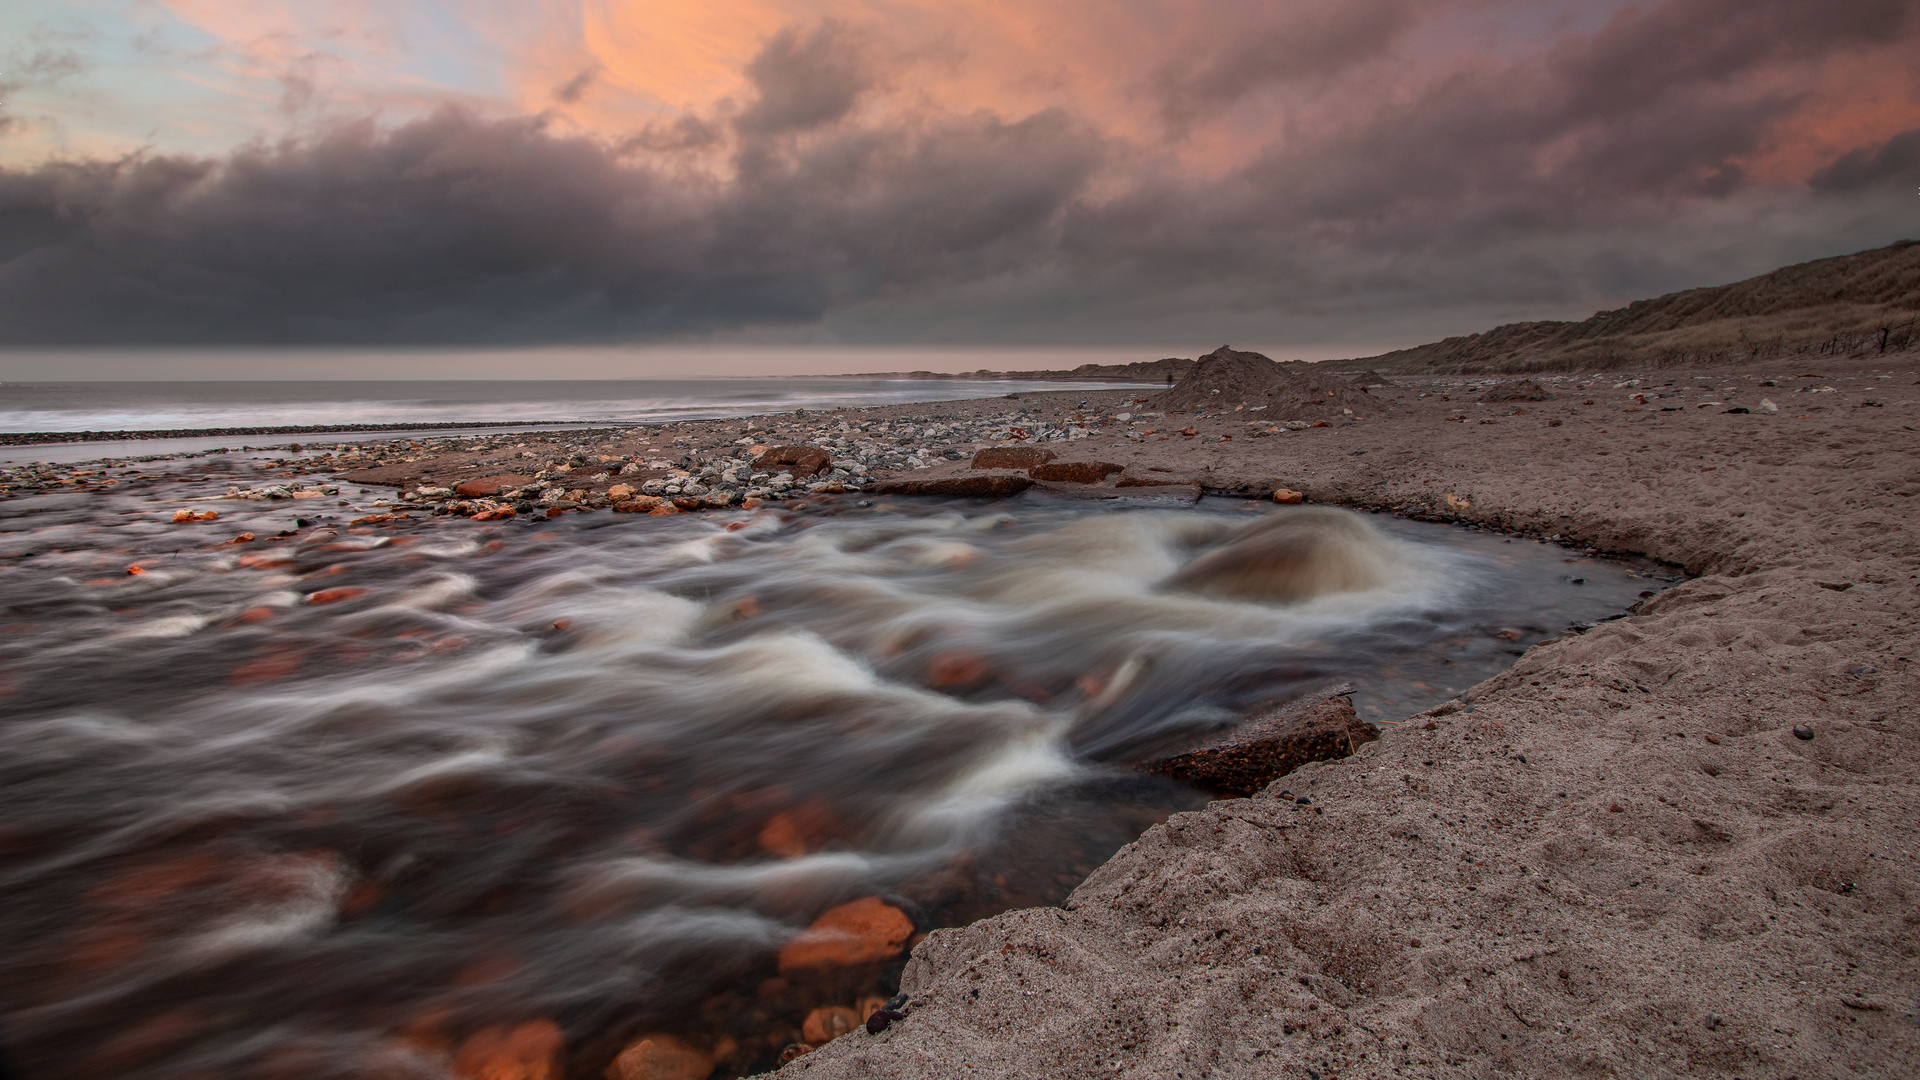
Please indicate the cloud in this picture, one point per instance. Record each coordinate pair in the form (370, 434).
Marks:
(1895, 162)
(1300, 46)
(460, 228)
(805, 80)
(1321, 170)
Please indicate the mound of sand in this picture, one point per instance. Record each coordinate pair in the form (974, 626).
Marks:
(1227, 377)
(1518, 390)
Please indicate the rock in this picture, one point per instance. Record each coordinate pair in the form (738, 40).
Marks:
(1288, 497)
(1268, 746)
(660, 1057)
(482, 486)
(498, 513)
(334, 596)
(882, 1019)
(1075, 472)
(530, 1051)
(1011, 457)
(801, 461)
(860, 932)
(622, 492)
(1802, 731)
(828, 1023)
(1517, 390)
(1289, 557)
(991, 486)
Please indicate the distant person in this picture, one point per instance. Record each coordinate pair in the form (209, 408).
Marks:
(1169, 380)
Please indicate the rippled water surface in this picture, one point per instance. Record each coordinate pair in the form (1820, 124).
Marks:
(329, 803)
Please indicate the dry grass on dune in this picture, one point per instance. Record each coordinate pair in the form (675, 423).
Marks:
(1852, 305)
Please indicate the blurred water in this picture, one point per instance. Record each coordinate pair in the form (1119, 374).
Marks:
(319, 805)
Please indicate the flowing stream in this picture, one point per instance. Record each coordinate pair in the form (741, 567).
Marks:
(324, 804)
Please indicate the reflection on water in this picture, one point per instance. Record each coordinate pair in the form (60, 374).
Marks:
(357, 801)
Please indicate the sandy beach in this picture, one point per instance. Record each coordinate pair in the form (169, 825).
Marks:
(1681, 842)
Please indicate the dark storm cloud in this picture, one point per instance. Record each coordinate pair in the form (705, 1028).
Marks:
(1529, 180)
(1623, 130)
(805, 80)
(456, 228)
(1293, 50)
(1895, 162)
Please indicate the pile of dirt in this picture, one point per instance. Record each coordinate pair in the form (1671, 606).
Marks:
(1228, 377)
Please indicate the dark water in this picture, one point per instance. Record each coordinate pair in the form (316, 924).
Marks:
(338, 803)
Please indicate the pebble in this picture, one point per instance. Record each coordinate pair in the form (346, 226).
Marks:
(660, 1057)
(860, 932)
(828, 1023)
(1802, 731)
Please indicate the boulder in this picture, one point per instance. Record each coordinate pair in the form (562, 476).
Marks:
(481, 487)
(991, 486)
(1268, 746)
(660, 1057)
(801, 461)
(1011, 457)
(861, 932)
(1075, 472)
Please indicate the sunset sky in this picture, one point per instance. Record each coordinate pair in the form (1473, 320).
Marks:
(1310, 174)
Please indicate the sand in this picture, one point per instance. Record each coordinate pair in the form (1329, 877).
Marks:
(1615, 859)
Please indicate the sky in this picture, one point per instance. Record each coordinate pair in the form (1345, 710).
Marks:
(1308, 177)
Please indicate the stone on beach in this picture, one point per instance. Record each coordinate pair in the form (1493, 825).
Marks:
(992, 485)
(1011, 457)
(485, 486)
(860, 932)
(1075, 472)
(801, 461)
(1269, 746)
